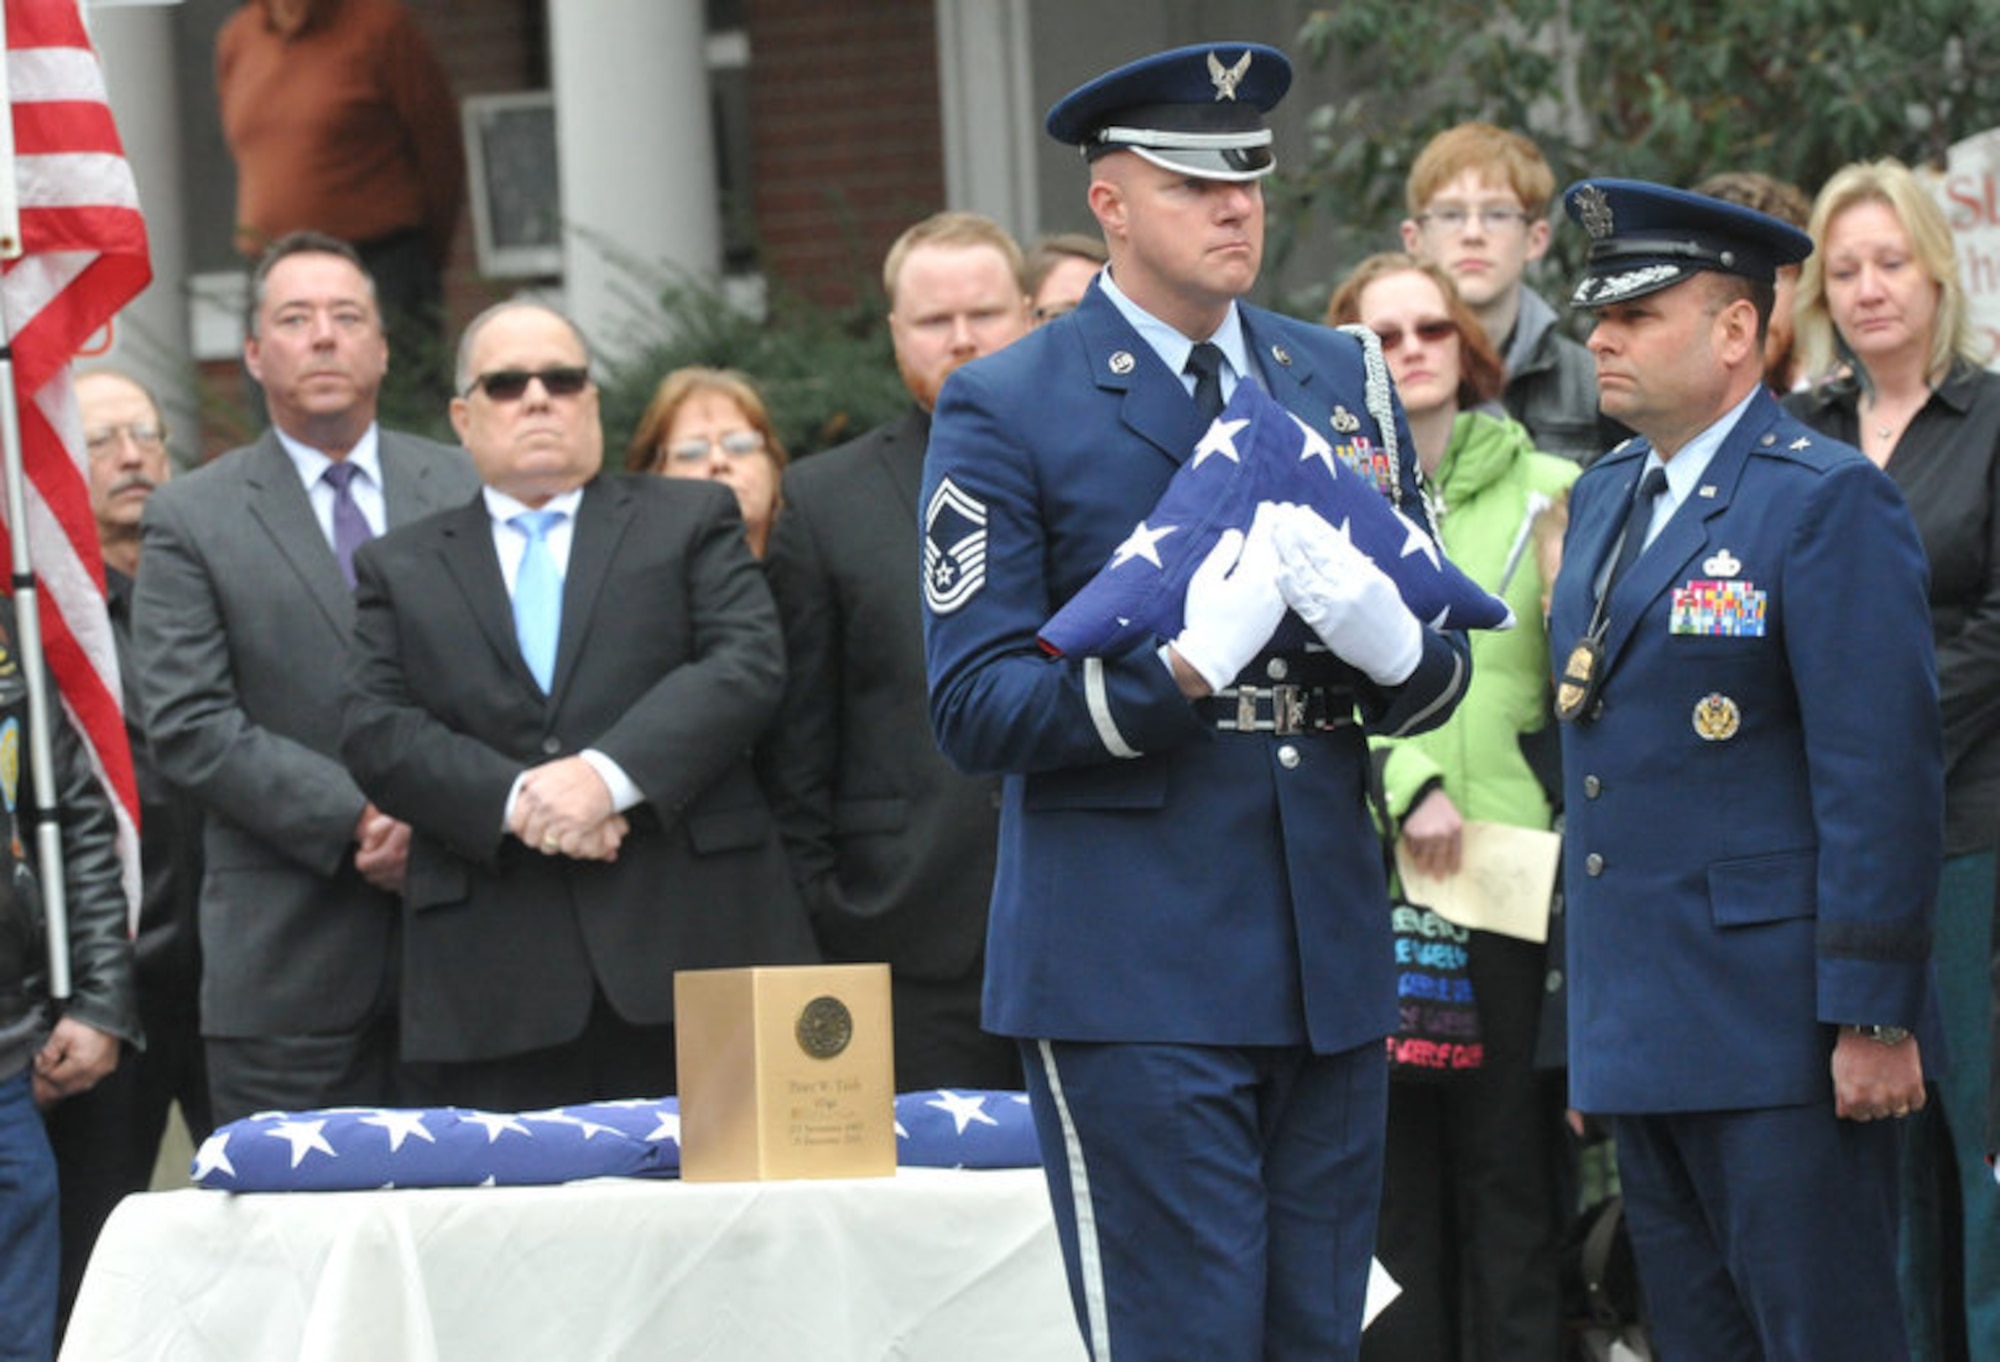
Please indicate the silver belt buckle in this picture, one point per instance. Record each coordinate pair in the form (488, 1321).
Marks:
(1288, 709)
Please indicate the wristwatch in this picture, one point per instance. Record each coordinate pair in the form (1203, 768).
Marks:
(1883, 1035)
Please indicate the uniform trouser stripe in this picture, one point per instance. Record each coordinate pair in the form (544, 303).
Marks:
(1089, 1261)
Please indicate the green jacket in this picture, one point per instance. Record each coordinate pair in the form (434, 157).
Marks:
(1488, 488)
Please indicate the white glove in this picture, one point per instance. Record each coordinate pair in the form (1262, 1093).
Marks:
(1233, 603)
(1349, 602)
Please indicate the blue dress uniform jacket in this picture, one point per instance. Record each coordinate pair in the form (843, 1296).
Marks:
(1754, 806)
(1158, 880)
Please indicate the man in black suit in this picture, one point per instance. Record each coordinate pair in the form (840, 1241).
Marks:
(558, 685)
(240, 634)
(893, 849)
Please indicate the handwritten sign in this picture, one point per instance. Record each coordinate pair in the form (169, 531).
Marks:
(1505, 877)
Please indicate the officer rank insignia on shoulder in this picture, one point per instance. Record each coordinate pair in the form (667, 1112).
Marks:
(954, 548)
(1719, 607)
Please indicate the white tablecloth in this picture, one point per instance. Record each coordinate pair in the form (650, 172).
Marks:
(928, 1264)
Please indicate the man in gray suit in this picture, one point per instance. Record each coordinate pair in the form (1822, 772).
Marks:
(241, 627)
(892, 848)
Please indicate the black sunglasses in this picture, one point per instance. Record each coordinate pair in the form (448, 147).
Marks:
(508, 385)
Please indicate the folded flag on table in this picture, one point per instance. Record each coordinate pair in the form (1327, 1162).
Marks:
(362, 1148)
(1258, 452)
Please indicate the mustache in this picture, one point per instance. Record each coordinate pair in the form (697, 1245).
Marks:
(131, 482)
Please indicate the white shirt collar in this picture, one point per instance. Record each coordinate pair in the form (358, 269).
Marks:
(1173, 348)
(312, 463)
(504, 508)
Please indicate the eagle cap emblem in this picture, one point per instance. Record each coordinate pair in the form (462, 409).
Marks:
(1593, 210)
(1227, 78)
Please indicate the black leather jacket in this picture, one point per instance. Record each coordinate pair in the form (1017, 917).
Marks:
(1552, 387)
(100, 942)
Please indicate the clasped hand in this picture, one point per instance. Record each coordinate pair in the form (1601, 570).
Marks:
(1233, 602)
(1349, 602)
(563, 807)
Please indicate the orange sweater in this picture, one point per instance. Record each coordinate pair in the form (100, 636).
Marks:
(348, 127)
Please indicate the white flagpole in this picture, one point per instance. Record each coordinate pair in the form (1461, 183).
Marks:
(27, 615)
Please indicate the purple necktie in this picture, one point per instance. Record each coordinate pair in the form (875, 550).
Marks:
(350, 527)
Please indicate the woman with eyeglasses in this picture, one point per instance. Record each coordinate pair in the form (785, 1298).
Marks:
(1884, 323)
(1469, 1223)
(712, 423)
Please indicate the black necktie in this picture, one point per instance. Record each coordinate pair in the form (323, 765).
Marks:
(1638, 519)
(1205, 363)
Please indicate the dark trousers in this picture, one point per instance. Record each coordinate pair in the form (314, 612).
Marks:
(1471, 1220)
(611, 1059)
(357, 1067)
(1766, 1235)
(938, 1040)
(410, 290)
(107, 1140)
(28, 1236)
(1212, 1202)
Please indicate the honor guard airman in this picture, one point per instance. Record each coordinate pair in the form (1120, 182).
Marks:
(1190, 931)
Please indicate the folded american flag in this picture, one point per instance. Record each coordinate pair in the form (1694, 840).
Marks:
(361, 1148)
(1258, 452)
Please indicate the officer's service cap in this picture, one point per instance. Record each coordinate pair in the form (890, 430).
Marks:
(1199, 110)
(1646, 237)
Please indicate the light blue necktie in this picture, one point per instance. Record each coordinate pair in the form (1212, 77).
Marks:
(538, 596)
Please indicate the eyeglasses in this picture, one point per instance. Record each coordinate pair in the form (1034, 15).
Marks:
(1492, 218)
(101, 440)
(737, 444)
(510, 385)
(1429, 332)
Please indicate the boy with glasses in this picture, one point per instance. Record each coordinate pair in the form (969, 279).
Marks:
(1478, 198)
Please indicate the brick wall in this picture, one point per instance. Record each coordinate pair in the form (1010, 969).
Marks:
(845, 142)
(487, 47)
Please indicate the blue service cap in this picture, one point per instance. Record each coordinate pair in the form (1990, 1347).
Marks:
(1199, 110)
(1646, 237)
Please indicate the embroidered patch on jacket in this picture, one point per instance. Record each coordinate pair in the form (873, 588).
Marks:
(954, 548)
(1727, 608)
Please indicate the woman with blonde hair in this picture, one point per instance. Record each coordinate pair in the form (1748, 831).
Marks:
(1883, 318)
(712, 423)
(1469, 1223)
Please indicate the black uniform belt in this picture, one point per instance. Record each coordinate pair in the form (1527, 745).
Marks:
(1278, 709)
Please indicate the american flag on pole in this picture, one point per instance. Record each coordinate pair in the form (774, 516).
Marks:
(75, 252)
